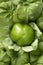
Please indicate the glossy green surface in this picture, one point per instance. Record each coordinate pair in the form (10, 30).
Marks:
(22, 34)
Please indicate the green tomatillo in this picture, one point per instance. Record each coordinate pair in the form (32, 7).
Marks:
(40, 23)
(22, 34)
(26, 13)
(41, 45)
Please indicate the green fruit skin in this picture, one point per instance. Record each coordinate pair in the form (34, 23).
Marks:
(40, 23)
(40, 60)
(34, 55)
(28, 13)
(22, 34)
(22, 59)
(41, 45)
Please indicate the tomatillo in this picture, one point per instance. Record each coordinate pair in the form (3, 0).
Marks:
(40, 23)
(22, 34)
(41, 45)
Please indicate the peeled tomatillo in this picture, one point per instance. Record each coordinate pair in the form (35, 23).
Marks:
(22, 34)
